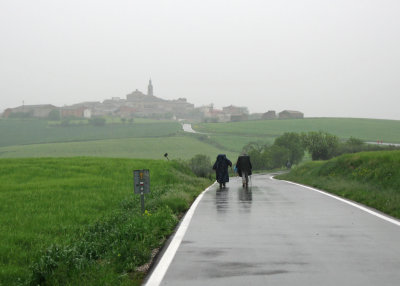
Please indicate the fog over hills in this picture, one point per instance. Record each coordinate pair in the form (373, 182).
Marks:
(326, 58)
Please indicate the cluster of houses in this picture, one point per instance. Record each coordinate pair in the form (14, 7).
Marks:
(138, 104)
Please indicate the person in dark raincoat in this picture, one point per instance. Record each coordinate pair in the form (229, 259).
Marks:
(244, 168)
(221, 169)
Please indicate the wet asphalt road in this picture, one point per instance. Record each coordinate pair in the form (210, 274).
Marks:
(277, 233)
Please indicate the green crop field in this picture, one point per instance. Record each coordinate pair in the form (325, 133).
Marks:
(178, 147)
(53, 201)
(365, 129)
(34, 131)
(151, 138)
(235, 143)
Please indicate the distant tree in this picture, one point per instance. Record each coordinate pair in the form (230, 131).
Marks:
(286, 147)
(257, 160)
(97, 121)
(353, 145)
(65, 122)
(54, 115)
(321, 145)
(293, 143)
(123, 119)
(211, 120)
(254, 145)
(268, 157)
(255, 150)
(277, 156)
(28, 114)
(168, 115)
(130, 120)
(259, 154)
(355, 142)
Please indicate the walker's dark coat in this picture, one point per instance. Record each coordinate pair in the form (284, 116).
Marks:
(243, 164)
(221, 168)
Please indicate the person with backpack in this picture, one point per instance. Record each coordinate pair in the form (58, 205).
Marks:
(244, 168)
(221, 169)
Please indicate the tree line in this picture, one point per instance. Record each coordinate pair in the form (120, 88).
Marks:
(289, 149)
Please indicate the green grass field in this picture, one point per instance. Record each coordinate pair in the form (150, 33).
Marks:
(151, 138)
(50, 201)
(34, 131)
(178, 147)
(365, 129)
(235, 143)
(371, 178)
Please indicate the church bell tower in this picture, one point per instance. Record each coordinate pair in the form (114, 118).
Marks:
(150, 89)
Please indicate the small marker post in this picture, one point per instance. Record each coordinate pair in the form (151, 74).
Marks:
(141, 183)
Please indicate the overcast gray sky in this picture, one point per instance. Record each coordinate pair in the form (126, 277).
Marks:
(336, 58)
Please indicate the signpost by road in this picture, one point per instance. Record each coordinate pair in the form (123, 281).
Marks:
(141, 183)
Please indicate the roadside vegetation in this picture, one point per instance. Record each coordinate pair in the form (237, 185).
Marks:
(201, 166)
(76, 221)
(371, 178)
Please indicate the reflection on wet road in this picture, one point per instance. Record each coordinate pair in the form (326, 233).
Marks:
(222, 199)
(275, 233)
(225, 201)
(245, 198)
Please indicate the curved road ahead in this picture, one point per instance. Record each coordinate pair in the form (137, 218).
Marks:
(277, 233)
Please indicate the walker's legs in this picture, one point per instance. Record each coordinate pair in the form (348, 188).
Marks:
(245, 179)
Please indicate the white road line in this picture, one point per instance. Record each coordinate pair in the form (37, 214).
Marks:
(162, 267)
(384, 217)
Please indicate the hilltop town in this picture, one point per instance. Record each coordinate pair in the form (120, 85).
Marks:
(138, 104)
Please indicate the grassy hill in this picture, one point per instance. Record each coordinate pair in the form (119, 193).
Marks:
(35, 131)
(151, 139)
(143, 139)
(86, 207)
(178, 147)
(371, 178)
(365, 129)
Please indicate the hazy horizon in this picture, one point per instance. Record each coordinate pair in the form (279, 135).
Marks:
(324, 58)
